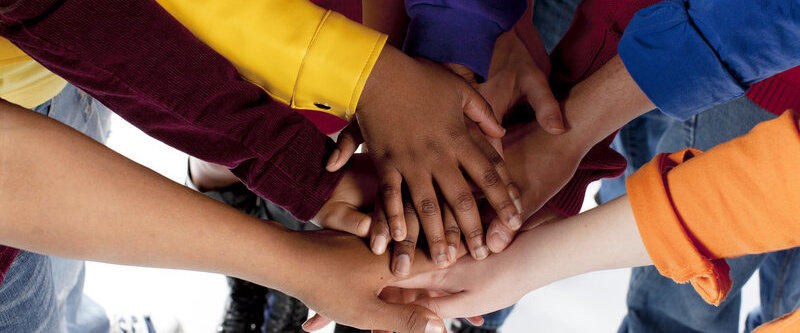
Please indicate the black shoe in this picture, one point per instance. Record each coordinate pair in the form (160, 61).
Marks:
(244, 310)
(461, 327)
(347, 329)
(285, 314)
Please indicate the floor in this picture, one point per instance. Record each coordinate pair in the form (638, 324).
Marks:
(592, 302)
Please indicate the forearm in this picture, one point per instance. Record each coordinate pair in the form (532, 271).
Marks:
(602, 104)
(65, 195)
(151, 71)
(603, 238)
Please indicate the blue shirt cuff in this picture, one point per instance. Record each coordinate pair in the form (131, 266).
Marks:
(672, 62)
(447, 35)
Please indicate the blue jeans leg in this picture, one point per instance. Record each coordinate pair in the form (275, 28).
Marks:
(637, 142)
(48, 291)
(779, 287)
(656, 303)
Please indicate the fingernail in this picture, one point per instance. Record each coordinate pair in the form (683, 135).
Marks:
(402, 265)
(397, 234)
(441, 260)
(451, 253)
(513, 192)
(333, 159)
(434, 326)
(500, 236)
(555, 124)
(515, 222)
(379, 244)
(481, 252)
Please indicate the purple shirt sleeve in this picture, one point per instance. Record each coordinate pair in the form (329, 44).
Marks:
(139, 61)
(459, 31)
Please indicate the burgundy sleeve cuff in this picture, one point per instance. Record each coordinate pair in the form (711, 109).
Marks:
(601, 162)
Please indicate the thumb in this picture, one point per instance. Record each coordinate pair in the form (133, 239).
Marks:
(478, 110)
(344, 217)
(408, 318)
(346, 145)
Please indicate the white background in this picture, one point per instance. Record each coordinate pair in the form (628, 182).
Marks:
(593, 302)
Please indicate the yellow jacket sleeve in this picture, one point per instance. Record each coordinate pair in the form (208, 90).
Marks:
(301, 54)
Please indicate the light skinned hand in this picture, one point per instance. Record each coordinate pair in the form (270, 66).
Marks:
(412, 117)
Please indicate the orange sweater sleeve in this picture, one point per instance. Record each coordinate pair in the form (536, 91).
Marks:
(738, 198)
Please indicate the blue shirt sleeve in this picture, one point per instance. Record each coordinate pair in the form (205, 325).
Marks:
(459, 31)
(689, 55)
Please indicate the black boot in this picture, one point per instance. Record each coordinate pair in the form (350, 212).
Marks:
(244, 309)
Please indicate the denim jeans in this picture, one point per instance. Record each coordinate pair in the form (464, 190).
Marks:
(658, 304)
(44, 293)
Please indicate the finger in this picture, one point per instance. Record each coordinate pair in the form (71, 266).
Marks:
(408, 319)
(540, 97)
(489, 181)
(317, 322)
(403, 252)
(498, 236)
(452, 233)
(460, 199)
(479, 111)
(426, 204)
(379, 231)
(346, 218)
(390, 190)
(496, 159)
(346, 145)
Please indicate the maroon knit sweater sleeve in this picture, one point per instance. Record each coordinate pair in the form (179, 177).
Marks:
(590, 42)
(139, 61)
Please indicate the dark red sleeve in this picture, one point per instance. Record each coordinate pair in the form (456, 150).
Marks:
(590, 42)
(139, 61)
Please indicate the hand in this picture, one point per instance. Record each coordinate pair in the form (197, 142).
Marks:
(356, 191)
(342, 280)
(412, 118)
(470, 288)
(540, 164)
(518, 72)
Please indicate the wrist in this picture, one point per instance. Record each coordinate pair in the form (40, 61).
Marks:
(603, 103)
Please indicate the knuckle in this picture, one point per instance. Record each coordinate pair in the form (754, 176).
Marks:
(435, 238)
(490, 178)
(475, 233)
(464, 202)
(495, 158)
(452, 230)
(428, 207)
(455, 133)
(389, 190)
(406, 245)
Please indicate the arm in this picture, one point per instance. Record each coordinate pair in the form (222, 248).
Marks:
(154, 73)
(594, 110)
(689, 55)
(117, 213)
(304, 56)
(603, 238)
(674, 217)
